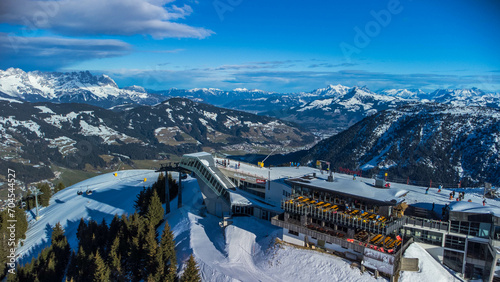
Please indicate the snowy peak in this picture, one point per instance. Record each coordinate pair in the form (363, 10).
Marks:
(332, 90)
(411, 94)
(75, 87)
(447, 95)
(136, 88)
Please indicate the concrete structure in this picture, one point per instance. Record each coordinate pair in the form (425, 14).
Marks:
(221, 196)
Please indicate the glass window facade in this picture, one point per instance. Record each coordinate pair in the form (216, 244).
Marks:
(425, 236)
(477, 250)
(455, 242)
(454, 260)
(477, 229)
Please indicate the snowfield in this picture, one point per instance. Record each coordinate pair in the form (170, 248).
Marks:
(243, 251)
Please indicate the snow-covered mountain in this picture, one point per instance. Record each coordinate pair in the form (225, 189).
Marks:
(331, 90)
(466, 97)
(424, 141)
(216, 96)
(335, 108)
(411, 94)
(47, 133)
(326, 110)
(74, 87)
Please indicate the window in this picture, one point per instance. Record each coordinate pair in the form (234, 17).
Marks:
(425, 236)
(453, 260)
(455, 242)
(293, 233)
(477, 250)
(476, 229)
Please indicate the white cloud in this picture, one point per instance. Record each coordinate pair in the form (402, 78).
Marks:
(102, 17)
(48, 53)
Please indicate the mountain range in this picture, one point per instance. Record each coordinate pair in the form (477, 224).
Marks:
(78, 135)
(74, 87)
(326, 111)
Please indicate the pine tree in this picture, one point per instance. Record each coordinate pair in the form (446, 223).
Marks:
(72, 268)
(81, 231)
(21, 223)
(173, 186)
(57, 233)
(60, 186)
(114, 260)
(102, 271)
(140, 202)
(159, 186)
(191, 273)
(60, 250)
(114, 228)
(150, 250)
(44, 198)
(167, 248)
(155, 210)
(102, 236)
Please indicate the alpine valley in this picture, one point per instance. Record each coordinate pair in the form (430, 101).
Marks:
(82, 136)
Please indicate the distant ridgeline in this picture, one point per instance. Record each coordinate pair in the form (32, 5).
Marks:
(421, 142)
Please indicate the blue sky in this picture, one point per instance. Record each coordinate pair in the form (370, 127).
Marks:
(282, 46)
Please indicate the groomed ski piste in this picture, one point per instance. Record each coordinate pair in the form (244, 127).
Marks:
(243, 251)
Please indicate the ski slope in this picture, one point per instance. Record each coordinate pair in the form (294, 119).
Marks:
(111, 195)
(243, 251)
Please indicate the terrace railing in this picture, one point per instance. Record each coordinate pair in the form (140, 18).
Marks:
(341, 218)
(429, 223)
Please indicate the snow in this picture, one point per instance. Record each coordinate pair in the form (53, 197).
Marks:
(111, 195)
(45, 110)
(243, 251)
(56, 120)
(64, 144)
(10, 100)
(19, 84)
(108, 134)
(10, 122)
(471, 207)
(429, 268)
(210, 115)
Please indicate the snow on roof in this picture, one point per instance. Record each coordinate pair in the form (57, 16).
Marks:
(263, 172)
(429, 268)
(470, 207)
(243, 198)
(197, 155)
(346, 185)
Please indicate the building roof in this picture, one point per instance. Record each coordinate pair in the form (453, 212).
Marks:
(354, 188)
(242, 198)
(263, 172)
(470, 207)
